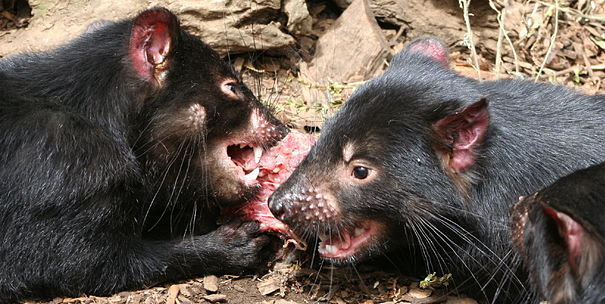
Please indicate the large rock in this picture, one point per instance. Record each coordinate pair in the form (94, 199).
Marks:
(234, 26)
(441, 18)
(227, 25)
(299, 20)
(352, 49)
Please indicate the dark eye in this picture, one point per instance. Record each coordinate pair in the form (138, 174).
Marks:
(230, 88)
(361, 172)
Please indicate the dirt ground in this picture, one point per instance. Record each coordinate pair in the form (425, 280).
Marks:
(560, 42)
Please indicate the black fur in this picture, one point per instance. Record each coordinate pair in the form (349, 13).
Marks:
(109, 180)
(559, 274)
(457, 222)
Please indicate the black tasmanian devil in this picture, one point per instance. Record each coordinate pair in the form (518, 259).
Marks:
(560, 233)
(424, 158)
(117, 151)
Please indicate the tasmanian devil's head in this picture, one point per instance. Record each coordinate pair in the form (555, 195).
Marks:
(197, 127)
(390, 160)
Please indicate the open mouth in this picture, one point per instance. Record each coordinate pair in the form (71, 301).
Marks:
(268, 169)
(347, 242)
(246, 158)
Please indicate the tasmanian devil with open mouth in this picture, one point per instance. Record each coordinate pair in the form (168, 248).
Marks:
(428, 161)
(118, 153)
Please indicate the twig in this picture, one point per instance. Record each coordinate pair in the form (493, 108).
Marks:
(464, 4)
(500, 37)
(552, 40)
(503, 34)
(576, 12)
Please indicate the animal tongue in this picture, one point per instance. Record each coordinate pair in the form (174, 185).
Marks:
(276, 165)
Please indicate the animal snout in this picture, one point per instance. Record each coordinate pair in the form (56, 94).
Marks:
(305, 206)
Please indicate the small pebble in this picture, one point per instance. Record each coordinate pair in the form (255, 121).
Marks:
(216, 298)
(268, 286)
(420, 293)
(239, 288)
(403, 290)
(183, 300)
(456, 300)
(184, 290)
(282, 301)
(173, 292)
(211, 283)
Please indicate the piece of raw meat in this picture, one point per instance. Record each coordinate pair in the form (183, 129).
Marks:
(276, 165)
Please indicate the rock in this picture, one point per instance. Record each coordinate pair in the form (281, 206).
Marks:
(239, 288)
(173, 292)
(233, 26)
(185, 290)
(215, 298)
(211, 283)
(442, 19)
(182, 300)
(268, 286)
(282, 301)
(299, 20)
(420, 293)
(456, 300)
(352, 49)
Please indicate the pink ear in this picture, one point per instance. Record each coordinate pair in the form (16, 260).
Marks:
(462, 134)
(571, 231)
(432, 48)
(151, 41)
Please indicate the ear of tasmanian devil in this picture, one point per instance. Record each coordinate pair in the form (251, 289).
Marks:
(461, 134)
(152, 40)
(430, 47)
(583, 252)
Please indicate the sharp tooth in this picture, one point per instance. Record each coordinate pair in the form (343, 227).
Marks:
(253, 174)
(359, 231)
(331, 249)
(241, 146)
(323, 237)
(258, 152)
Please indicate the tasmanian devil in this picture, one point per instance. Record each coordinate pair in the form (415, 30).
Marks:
(423, 158)
(560, 232)
(117, 152)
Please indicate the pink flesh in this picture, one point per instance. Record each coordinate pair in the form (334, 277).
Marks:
(276, 165)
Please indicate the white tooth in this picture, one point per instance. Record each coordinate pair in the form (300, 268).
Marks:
(359, 231)
(258, 152)
(253, 174)
(241, 146)
(331, 249)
